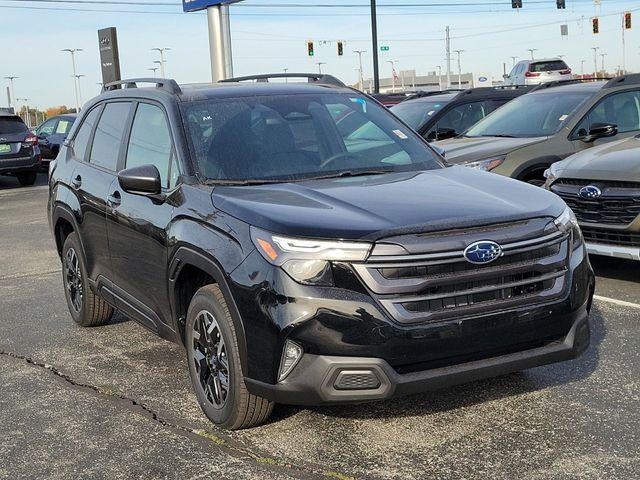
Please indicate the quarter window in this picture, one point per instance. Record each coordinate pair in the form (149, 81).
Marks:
(108, 136)
(84, 133)
(150, 141)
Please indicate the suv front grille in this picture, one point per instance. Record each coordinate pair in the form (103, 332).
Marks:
(438, 286)
(619, 203)
(611, 237)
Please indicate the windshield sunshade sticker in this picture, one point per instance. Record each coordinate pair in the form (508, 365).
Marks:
(400, 134)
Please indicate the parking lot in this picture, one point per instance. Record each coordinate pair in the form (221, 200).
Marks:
(116, 401)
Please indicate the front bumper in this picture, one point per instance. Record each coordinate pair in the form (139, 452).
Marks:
(320, 379)
(618, 251)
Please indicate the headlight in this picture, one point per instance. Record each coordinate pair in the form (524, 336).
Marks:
(487, 164)
(306, 260)
(567, 222)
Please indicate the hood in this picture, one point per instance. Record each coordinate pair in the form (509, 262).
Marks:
(471, 149)
(611, 161)
(378, 206)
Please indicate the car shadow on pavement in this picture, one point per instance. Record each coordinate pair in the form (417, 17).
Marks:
(9, 183)
(615, 268)
(473, 393)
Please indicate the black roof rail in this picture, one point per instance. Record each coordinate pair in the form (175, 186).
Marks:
(622, 80)
(429, 93)
(311, 77)
(557, 83)
(166, 84)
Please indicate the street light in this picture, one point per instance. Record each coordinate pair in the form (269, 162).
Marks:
(154, 70)
(73, 51)
(595, 61)
(582, 68)
(458, 52)
(78, 77)
(320, 66)
(27, 117)
(514, 60)
(531, 50)
(393, 75)
(603, 55)
(12, 100)
(162, 61)
(286, 79)
(439, 67)
(360, 74)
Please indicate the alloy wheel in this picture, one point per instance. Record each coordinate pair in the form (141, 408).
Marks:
(73, 279)
(210, 358)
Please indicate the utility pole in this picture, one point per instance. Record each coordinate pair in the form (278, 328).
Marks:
(374, 40)
(12, 100)
(393, 75)
(448, 52)
(514, 61)
(531, 50)
(595, 61)
(458, 52)
(360, 75)
(582, 68)
(439, 67)
(78, 77)
(154, 70)
(320, 66)
(73, 51)
(162, 60)
(603, 55)
(624, 53)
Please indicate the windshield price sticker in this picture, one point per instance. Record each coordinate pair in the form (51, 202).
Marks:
(400, 134)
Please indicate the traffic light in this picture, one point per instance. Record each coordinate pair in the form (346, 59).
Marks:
(516, 3)
(310, 49)
(560, 4)
(596, 25)
(340, 49)
(627, 20)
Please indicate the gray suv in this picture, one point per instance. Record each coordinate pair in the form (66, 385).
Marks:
(557, 119)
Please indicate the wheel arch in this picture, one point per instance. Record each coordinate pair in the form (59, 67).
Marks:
(535, 167)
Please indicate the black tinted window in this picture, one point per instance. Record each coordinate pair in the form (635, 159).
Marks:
(108, 136)
(150, 140)
(548, 66)
(12, 125)
(84, 133)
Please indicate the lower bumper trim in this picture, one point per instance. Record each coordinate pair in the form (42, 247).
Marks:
(618, 251)
(313, 380)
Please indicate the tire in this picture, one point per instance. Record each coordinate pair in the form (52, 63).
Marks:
(236, 408)
(27, 178)
(538, 182)
(87, 309)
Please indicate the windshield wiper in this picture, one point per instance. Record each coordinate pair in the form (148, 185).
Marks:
(350, 173)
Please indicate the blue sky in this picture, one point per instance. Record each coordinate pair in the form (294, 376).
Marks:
(270, 39)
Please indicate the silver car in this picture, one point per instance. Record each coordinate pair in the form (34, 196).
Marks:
(534, 72)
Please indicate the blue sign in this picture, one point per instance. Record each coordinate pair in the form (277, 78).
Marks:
(482, 79)
(195, 5)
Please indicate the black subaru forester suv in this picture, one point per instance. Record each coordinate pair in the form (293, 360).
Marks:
(306, 247)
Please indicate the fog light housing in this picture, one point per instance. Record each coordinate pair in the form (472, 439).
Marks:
(291, 355)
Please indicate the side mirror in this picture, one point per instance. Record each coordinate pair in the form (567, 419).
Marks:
(142, 180)
(444, 133)
(600, 130)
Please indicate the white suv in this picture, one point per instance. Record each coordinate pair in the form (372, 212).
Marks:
(534, 72)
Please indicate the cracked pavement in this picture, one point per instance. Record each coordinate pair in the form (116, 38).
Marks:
(116, 402)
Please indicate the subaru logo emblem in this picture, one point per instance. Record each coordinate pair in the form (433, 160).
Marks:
(482, 252)
(590, 191)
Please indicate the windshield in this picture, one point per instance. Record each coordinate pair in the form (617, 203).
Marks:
(416, 113)
(12, 125)
(532, 115)
(274, 138)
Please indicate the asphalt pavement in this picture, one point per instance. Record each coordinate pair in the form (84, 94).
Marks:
(115, 401)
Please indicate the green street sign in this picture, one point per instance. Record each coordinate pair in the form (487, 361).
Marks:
(384, 48)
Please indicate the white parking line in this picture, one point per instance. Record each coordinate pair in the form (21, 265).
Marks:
(622, 303)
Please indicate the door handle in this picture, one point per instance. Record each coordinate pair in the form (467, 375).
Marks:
(77, 182)
(114, 199)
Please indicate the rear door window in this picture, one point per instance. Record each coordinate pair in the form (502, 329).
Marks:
(108, 136)
(12, 125)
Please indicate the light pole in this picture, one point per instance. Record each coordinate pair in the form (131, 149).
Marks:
(603, 55)
(320, 66)
(285, 70)
(582, 68)
(78, 77)
(13, 92)
(374, 41)
(161, 50)
(154, 70)
(458, 52)
(513, 59)
(360, 74)
(595, 61)
(531, 50)
(73, 51)
(27, 117)
(393, 75)
(439, 67)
